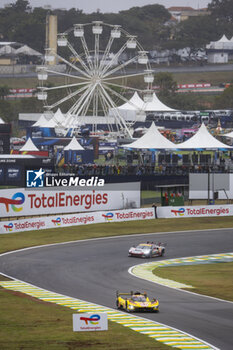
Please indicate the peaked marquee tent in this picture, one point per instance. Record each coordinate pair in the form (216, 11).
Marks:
(41, 121)
(135, 108)
(221, 44)
(131, 110)
(74, 145)
(152, 139)
(26, 50)
(58, 117)
(202, 139)
(29, 146)
(135, 103)
(230, 134)
(157, 105)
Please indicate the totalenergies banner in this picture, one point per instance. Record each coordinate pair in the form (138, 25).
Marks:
(195, 211)
(75, 220)
(128, 215)
(90, 322)
(29, 202)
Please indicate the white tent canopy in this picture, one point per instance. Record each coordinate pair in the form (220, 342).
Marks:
(41, 121)
(58, 117)
(135, 109)
(131, 110)
(156, 105)
(74, 145)
(223, 39)
(152, 139)
(29, 146)
(26, 50)
(7, 49)
(135, 103)
(49, 124)
(72, 121)
(202, 139)
(229, 134)
(221, 44)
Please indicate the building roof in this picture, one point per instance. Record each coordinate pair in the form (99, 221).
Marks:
(3, 43)
(180, 8)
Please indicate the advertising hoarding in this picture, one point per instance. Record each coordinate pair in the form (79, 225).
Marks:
(87, 322)
(195, 211)
(56, 200)
(76, 219)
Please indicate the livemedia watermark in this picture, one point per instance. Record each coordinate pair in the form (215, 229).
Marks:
(41, 179)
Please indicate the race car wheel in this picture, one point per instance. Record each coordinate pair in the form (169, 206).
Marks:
(118, 304)
(126, 307)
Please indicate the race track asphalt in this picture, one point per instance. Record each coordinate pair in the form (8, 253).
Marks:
(94, 270)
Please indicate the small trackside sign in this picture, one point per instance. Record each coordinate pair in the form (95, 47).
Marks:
(86, 322)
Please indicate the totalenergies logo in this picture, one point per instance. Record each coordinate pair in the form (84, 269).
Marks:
(9, 227)
(57, 221)
(94, 319)
(108, 216)
(17, 199)
(179, 212)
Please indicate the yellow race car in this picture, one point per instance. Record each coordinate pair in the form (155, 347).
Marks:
(133, 302)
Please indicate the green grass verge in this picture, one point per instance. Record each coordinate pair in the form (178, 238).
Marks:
(213, 279)
(28, 323)
(19, 240)
(150, 194)
(215, 78)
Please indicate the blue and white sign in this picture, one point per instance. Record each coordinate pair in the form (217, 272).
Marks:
(35, 178)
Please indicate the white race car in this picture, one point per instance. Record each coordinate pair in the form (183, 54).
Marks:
(147, 250)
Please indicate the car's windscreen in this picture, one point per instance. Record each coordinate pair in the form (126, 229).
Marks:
(141, 246)
(139, 298)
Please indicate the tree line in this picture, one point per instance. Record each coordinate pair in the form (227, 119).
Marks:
(21, 23)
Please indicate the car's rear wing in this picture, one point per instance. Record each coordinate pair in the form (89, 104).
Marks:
(123, 293)
(129, 294)
(160, 244)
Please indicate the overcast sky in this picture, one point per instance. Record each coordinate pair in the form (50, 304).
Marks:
(110, 5)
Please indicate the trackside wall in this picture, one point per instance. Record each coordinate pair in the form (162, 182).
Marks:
(113, 216)
(75, 220)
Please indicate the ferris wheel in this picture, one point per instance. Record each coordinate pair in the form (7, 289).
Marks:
(98, 68)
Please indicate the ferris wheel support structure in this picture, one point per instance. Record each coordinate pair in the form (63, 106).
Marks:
(96, 80)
